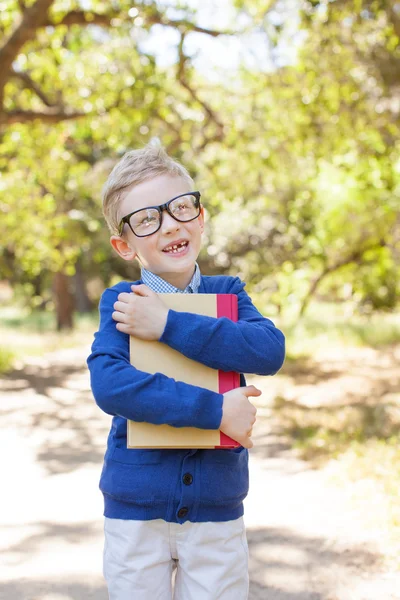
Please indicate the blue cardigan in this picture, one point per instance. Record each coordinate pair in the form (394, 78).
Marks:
(178, 485)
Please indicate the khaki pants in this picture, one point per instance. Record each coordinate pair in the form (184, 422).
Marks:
(211, 560)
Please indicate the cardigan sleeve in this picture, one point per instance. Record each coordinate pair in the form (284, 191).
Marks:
(251, 345)
(120, 389)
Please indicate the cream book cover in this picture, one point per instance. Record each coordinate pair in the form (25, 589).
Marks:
(156, 357)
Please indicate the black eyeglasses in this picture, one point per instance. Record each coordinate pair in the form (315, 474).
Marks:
(146, 221)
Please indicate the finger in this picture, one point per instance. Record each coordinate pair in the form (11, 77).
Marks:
(247, 443)
(141, 290)
(124, 297)
(255, 391)
(119, 316)
(121, 306)
(251, 390)
(123, 328)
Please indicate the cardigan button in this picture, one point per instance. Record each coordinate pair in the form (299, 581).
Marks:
(187, 479)
(182, 512)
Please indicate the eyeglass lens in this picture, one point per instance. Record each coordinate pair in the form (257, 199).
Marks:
(146, 221)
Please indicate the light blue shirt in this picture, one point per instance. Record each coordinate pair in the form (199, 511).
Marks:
(157, 284)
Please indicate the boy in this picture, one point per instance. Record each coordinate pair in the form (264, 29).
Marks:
(166, 508)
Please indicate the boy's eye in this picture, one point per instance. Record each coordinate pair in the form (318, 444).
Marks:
(145, 219)
(148, 219)
(181, 205)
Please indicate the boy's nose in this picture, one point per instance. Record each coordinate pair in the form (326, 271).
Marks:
(169, 224)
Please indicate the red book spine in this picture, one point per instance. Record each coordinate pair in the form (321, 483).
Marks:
(227, 306)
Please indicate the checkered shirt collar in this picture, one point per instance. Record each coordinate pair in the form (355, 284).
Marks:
(157, 284)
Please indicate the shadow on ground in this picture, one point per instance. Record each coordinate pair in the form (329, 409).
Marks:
(48, 532)
(287, 566)
(271, 443)
(283, 565)
(39, 379)
(54, 406)
(28, 589)
(384, 376)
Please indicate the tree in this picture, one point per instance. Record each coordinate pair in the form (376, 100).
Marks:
(297, 162)
(317, 154)
(76, 87)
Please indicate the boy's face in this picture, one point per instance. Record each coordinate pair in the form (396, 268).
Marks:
(152, 251)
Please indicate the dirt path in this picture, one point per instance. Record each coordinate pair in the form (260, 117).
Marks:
(306, 541)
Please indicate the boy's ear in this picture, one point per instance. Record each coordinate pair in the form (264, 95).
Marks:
(201, 218)
(122, 248)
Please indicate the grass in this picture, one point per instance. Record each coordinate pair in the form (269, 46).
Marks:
(7, 360)
(322, 433)
(40, 321)
(26, 334)
(327, 323)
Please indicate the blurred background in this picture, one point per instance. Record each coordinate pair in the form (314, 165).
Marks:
(286, 113)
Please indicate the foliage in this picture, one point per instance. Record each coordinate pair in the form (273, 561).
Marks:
(31, 334)
(6, 360)
(298, 160)
(332, 124)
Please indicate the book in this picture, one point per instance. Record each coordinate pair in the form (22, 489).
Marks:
(156, 357)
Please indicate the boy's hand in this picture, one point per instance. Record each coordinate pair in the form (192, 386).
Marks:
(239, 415)
(140, 313)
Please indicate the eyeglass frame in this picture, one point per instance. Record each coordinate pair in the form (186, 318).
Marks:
(160, 208)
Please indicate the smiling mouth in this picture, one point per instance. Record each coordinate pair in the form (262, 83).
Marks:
(176, 248)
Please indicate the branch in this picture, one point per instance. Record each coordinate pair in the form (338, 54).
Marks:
(354, 257)
(26, 116)
(183, 25)
(30, 84)
(55, 114)
(217, 137)
(181, 76)
(81, 17)
(394, 18)
(34, 17)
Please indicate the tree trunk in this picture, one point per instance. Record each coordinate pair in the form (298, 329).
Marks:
(63, 300)
(311, 292)
(82, 301)
(355, 257)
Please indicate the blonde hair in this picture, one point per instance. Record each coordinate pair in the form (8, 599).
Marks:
(135, 167)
